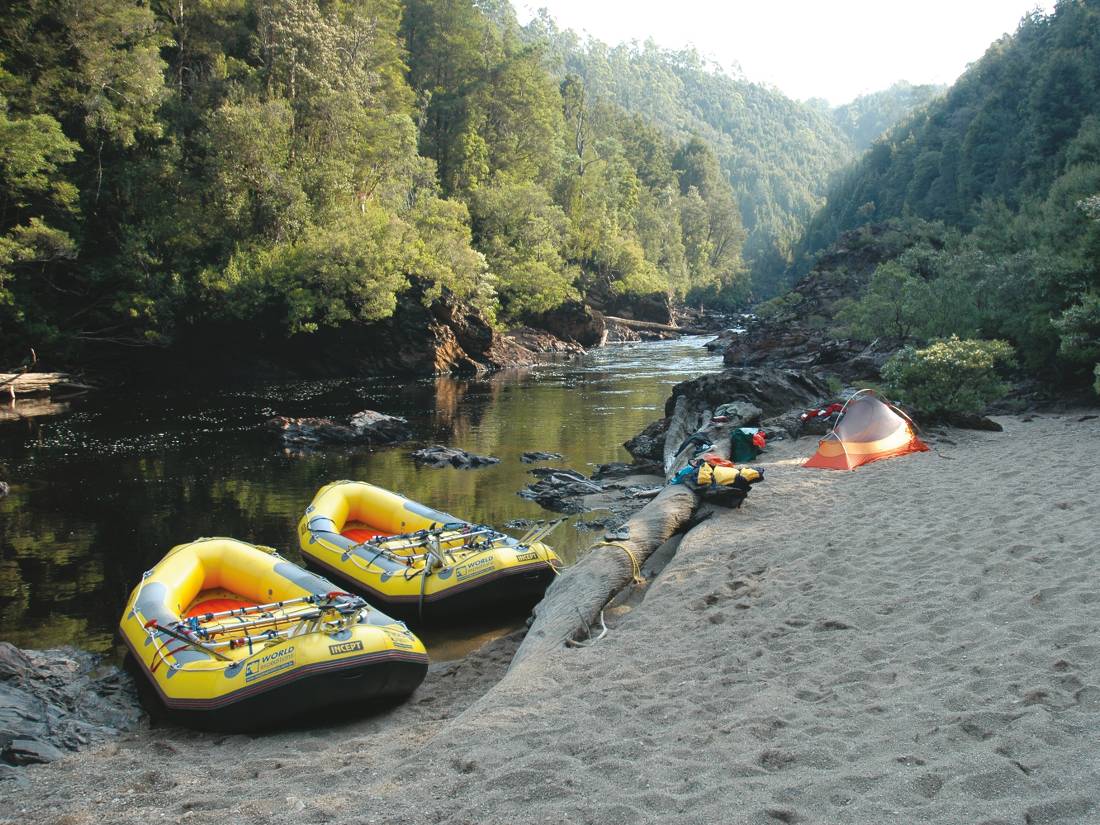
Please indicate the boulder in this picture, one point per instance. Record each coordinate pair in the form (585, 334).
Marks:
(439, 456)
(772, 390)
(562, 491)
(618, 333)
(541, 341)
(52, 701)
(532, 457)
(308, 432)
(649, 444)
(574, 321)
(379, 428)
(20, 752)
(620, 469)
(365, 427)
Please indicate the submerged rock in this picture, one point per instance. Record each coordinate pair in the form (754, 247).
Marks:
(52, 701)
(439, 456)
(562, 491)
(532, 457)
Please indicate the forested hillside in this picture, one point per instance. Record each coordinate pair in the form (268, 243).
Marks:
(1007, 166)
(778, 154)
(868, 116)
(289, 166)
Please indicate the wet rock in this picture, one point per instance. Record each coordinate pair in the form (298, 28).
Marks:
(649, 444)
(620, 469)
(379, 428)
(439, 456)
(301, 432)
(52, 701)
(366, 427)
(561, 491)
(618, 333)
(532, 457)
(521, 523)
(541, 341)
(574, 321)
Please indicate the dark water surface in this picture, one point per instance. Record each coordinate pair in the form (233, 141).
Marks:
(100, 494)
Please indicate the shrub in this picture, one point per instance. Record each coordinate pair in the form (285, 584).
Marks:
(955, 375)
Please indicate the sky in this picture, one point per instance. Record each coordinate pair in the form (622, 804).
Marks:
(834, 49)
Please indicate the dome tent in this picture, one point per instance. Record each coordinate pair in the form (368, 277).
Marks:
(866, 430)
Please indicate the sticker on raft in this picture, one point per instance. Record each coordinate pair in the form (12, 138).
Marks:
(474, 568)
(346, 647)
(532, 556)
(273, 662)
(400, 639)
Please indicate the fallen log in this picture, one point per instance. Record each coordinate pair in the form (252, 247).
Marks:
(574, 601)
(39, 383)
(653, 326)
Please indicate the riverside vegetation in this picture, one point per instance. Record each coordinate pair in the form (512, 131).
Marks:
(172, 170)
(179, 174)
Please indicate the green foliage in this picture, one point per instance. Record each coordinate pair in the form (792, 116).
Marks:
(1008, 160)
(954, 375)
(1079, 330)
(288, 165)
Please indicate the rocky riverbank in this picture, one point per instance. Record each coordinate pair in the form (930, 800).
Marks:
(53, 702)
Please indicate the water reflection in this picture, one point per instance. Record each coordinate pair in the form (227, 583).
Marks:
(100, 494)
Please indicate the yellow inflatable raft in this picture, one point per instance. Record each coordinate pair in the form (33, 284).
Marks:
(418, 562)
(232, 635)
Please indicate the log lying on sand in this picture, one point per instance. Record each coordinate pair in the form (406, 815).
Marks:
(39, 383)
(574, 601)
(652, 326)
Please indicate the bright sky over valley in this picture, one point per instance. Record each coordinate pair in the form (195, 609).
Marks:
(837, 50)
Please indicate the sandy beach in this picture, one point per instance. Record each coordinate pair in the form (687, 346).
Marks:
(917, 641)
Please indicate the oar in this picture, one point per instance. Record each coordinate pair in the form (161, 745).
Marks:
(152, 624)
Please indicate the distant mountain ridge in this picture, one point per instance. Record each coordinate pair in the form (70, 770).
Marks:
(779, 154)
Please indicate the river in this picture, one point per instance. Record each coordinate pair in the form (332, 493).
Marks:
(100, 494)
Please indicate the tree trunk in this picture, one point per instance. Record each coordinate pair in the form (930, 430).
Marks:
(653, 326)
(37, 383)
(576, 598)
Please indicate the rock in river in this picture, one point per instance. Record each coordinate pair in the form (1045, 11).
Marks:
(440, 456)
(532, 457)
(562, 491)
(366, 427)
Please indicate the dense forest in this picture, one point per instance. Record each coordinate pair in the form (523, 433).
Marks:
(996, 184)
(293, 166)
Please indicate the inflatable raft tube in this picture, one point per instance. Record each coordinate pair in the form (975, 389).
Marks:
(232, 636)
(417, 562)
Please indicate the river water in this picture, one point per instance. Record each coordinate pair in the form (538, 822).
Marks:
(100, 494)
